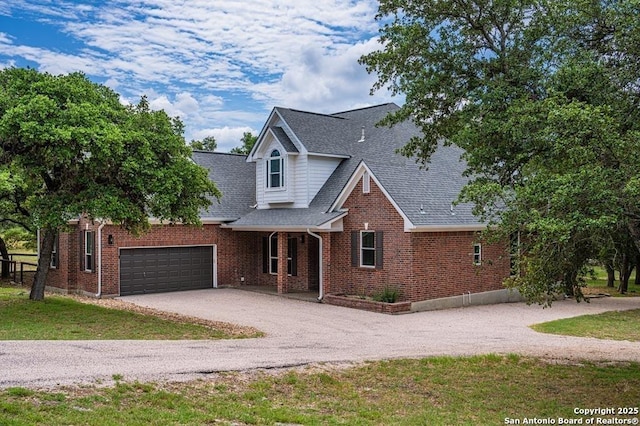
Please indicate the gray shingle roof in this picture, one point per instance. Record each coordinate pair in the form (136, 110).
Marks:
(425, 196)
(285, 218)
(235, 178)
(284, 139)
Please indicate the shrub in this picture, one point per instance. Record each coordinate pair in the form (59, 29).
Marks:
(388, 295)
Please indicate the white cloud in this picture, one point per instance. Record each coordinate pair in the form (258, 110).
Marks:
(227, 138)
(200, 59)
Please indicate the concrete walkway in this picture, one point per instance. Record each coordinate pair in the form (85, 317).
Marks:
(300, 333)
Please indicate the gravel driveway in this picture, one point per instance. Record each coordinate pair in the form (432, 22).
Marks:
(301, 333)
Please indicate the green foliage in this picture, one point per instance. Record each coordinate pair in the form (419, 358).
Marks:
(543, 97)
(248, 141)
(17, 238)
(78, 150)
(61, 318)
(616, 325)
(432, 391)
(387, 295)
(207, 144)
(93, 155)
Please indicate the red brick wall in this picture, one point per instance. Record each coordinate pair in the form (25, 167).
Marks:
(237, 254)
(298, 282)
(443, 265)
(421, 265)
(380, 215)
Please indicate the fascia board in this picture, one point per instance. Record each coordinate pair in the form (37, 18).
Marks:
(353, 181)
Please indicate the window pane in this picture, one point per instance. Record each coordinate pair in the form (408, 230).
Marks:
(275, 166)
(274, 245)
(274, 266)
(275, 181)
(368, 240)
(368, 257)
(275, 153)
(89, 242)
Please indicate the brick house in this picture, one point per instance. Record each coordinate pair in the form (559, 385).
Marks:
(322, 203)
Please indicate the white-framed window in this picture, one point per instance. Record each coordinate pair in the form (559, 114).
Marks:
(477, 254)
(273, 254)
(367, 249)
(54, 254)
(366, 183)
(275, 170)
(89, 243)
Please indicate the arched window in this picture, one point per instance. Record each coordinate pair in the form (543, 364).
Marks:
(275, 170)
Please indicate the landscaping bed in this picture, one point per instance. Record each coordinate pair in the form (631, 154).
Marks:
(367, 304)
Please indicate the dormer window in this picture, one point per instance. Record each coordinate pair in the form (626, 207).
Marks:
(275, 170)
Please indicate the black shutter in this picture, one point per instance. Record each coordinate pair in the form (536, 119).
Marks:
(81, 249)
(379, 251)
(354, 249)
(93, 252)
(293, 246)
(265, 255)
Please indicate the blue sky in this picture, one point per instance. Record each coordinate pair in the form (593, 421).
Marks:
(221, 66)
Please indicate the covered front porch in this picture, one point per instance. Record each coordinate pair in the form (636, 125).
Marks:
(295, 249)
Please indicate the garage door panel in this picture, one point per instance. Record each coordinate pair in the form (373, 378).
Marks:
(155, 270)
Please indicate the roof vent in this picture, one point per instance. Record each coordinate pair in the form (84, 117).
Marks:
(362, 137)
(453, 213)
(422, 209)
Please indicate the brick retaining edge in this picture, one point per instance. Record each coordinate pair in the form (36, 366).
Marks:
(367, 305)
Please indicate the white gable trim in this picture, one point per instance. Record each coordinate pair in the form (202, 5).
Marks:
(351, 184)
(274, 116)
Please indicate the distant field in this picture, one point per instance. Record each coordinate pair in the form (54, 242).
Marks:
(599, 285)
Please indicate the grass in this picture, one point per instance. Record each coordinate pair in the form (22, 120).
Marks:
(435, 391)
(615, 325)
(62, 318)
(599, 285)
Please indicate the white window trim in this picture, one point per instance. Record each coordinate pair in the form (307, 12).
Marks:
(362, 248)
(273, 257)
(366, 183)
(87, 252)
(477, 254)
(282, 161)
(53, 264)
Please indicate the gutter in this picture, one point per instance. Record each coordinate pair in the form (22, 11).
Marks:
(99, 257)
(321, 286)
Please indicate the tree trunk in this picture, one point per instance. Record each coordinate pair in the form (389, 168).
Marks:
(637, 281)
(5, 256)
(44, 261)
(625, 273)
(611, 275)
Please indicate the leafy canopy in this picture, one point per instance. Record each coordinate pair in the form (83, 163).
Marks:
(544, 98)
(90, 154)
(80, 151)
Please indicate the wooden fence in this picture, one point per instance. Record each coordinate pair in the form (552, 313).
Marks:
(19, 271)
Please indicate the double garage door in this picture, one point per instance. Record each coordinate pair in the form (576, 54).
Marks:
(157, 270)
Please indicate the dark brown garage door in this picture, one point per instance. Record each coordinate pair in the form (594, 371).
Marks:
(157, 270)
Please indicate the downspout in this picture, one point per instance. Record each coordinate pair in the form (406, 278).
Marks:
(99, 258)
(320, 284)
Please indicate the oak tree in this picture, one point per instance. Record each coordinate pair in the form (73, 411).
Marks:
(84, 152)
(544, 98)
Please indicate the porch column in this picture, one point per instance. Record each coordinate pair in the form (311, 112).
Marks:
(283, 285)
(326, 262)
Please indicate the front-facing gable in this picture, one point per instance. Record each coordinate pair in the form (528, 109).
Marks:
(324, 154)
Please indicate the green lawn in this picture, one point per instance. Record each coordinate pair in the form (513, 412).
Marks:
(615, 325)
(62, 318)
(483, 390)
(599, 284)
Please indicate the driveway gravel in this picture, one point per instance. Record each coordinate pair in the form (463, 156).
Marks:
(300, 333)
